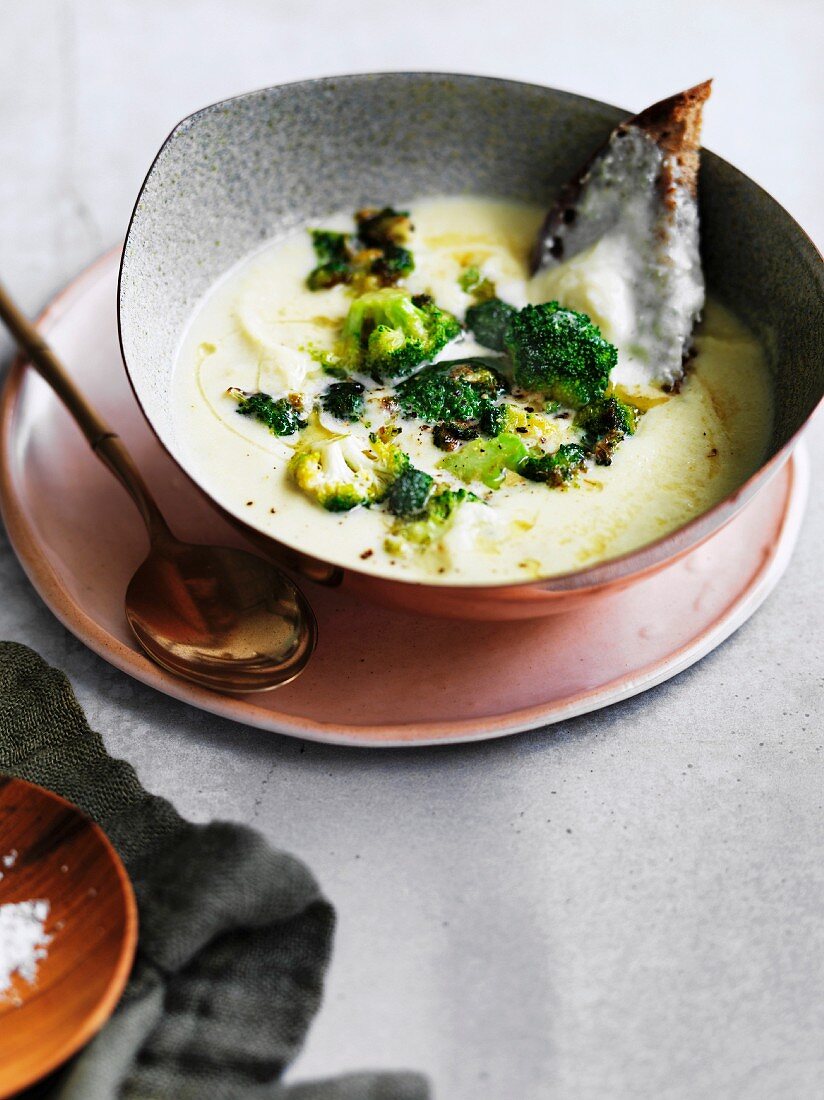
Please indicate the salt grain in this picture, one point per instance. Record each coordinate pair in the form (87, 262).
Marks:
(23, 940)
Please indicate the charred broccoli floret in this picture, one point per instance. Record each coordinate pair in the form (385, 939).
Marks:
(344, 400)
(373, 256)
(457, 390)
(559, 353)
(557, 468)
(487, 460)
(488, 321)
(379, 227)
(329, 244)
(430, 525)
(448, 436)
(387, 333)
(342, 472)
(335, 259)
(279, 415)
(387, 231)
(409, 492)
(391, 266)
(605, 424)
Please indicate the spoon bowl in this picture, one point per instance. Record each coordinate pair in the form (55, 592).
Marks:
(51, 852)
(220, 617)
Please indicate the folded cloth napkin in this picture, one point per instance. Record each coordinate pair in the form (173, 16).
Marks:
(234, 936)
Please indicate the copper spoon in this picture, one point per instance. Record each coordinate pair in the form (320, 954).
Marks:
(222, 618)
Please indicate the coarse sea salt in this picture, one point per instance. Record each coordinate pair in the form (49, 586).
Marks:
(23, 940)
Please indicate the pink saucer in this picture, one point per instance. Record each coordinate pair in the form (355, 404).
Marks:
(379, 677)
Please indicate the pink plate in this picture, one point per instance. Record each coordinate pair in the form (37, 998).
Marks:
(379, 677)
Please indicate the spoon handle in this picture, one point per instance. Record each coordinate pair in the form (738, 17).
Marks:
(106, 444)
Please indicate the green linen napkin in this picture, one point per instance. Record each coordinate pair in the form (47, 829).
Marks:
(234, 936)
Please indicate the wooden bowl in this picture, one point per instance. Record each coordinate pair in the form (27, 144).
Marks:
(54, 852)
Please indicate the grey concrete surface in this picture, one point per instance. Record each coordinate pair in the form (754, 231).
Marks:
(627, 905)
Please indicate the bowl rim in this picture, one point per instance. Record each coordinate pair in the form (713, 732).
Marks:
(621, 567)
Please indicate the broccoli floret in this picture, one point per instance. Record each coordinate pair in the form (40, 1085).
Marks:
(456, 390)
(605, 424)
(409, 492)
(457, 396)
(344, 472)
(450, 435)
(557, 468)
(331, 361)
(329, 244)
(487, 460)
(527, 423)
(334, 251)
(387, 333)
(492, 419)
(471, 281)
(559, 353)
(372, 257)
(391, 265)
(426, 528)
(344, 400)
(531, 426)
(280, 416)
(488, 321)
(378, 228)
(329, 274)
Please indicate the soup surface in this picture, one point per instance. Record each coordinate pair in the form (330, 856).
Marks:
(262, 330)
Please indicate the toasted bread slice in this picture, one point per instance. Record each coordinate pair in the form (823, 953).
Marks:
(639, 192)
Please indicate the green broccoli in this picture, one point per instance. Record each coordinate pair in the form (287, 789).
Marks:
(344, 472)
(329, 244)
(386, 231)
(529, 424)
(344, 400)
(378, 228)
(557, 468)
(334, 251)
(459, 389)
(471, 281)
(392, 265)
(605, 424)
(387, 333)
(409, 492)
(448, 436)
(372, 257)
(559, 353)
(491, 421)
(488, 321)
(422, 530)
(329, 274)
(487, 460)
(280, 416)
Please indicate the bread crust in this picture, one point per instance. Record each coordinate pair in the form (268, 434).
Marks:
(674, 124)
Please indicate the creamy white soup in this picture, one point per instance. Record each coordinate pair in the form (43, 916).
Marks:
(263, 331)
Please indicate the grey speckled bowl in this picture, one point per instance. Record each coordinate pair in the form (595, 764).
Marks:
(255, 167)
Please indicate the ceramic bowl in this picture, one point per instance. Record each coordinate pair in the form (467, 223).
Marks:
(255, 167)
